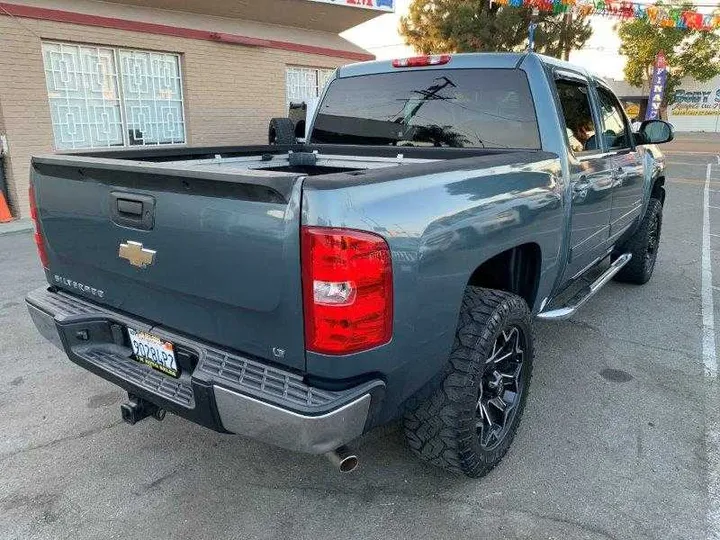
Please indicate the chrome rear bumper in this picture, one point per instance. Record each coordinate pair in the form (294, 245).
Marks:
(221, 390)
(247, 416)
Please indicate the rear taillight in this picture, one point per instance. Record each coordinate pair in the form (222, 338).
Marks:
(421, 61)
(39, 240)
(347, 290)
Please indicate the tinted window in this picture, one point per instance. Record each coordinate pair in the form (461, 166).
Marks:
(579, 124)
(614, 127)
(473, 108)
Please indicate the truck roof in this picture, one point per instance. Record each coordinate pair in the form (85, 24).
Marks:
(510, 60)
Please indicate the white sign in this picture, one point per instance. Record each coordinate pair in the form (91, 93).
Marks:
(387, 6)
(696, 106)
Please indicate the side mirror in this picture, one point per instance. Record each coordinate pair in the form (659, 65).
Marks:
(656, 132)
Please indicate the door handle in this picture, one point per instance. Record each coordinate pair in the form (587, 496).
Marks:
(132, 210)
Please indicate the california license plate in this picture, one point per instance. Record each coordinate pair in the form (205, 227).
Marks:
(153, 351)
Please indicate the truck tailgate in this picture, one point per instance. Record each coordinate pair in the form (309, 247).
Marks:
(226, 262)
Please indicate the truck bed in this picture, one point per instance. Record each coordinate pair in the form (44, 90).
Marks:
(223, 225)
(289, 163)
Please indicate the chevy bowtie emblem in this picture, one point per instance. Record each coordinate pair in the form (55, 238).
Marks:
(136, 254)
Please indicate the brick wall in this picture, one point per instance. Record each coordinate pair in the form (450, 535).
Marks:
(231, 91)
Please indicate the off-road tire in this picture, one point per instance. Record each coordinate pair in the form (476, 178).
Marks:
(281, 131)
(443, 429)
(643, 246)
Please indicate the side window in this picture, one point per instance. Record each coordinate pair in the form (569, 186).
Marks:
(579, 123)
(615, 129)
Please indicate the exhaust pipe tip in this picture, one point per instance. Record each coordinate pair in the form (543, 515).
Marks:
(344, 459)
(348, 464)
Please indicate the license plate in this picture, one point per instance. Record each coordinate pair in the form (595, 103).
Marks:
(153, 351)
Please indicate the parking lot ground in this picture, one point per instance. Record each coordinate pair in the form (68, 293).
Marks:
(619, 439)
(694, 144)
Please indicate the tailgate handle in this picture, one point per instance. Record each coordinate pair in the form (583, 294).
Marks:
(130, 207)
(132, 210)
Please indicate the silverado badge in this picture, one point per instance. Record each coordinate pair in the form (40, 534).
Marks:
(136, 254)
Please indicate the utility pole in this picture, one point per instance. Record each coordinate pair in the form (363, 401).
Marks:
(531, 29)
(566, 25)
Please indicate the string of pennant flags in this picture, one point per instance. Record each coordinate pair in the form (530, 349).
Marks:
(658, 14)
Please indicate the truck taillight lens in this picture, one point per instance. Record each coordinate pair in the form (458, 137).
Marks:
(421, 61)
(347, 290)
(39, 240)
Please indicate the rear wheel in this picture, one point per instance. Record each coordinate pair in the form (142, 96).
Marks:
(643, 246)
(469, 422)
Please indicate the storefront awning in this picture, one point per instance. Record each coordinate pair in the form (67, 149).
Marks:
(324, 15)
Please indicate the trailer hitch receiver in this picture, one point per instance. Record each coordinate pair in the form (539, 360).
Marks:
(136, 409)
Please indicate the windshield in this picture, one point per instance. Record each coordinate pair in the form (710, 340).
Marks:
(461, 108)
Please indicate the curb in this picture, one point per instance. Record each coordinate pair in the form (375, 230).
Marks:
(16, 226)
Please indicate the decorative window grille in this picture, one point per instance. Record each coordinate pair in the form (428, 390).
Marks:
(306, 83)
(101, 96)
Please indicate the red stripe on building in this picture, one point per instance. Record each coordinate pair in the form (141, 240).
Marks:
(57, 15)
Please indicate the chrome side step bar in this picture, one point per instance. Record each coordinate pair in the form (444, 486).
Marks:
(567, 311)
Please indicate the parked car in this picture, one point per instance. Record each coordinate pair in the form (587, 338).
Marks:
(391, 266)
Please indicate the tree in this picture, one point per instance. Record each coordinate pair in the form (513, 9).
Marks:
(436, 26)
(693, 53)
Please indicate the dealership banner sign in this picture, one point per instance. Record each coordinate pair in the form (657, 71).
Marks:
(378, 5)
(657, 88)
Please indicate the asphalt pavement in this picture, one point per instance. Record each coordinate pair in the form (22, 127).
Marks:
(619, 439)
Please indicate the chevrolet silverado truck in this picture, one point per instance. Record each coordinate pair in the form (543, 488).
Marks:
(390, 266)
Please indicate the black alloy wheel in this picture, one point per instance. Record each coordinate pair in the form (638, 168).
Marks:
(653, 239)
(467, 424)
(501, 388)
(643, 245)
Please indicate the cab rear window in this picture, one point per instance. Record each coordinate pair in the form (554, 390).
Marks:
(460, 108)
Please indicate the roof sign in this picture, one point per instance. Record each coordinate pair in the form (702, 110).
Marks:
(377, 5)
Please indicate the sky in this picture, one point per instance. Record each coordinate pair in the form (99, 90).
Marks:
(380, 36)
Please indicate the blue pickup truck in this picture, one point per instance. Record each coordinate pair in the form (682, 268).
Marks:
(388, 267)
